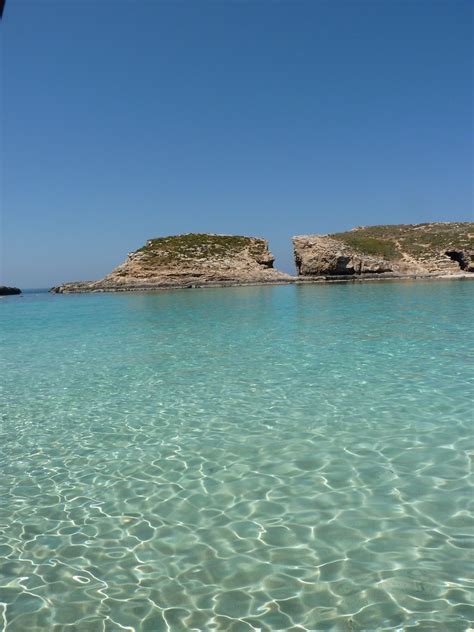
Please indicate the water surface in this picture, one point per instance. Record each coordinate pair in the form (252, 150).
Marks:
(267, 458)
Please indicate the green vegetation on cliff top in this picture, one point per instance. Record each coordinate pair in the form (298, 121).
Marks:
(389, 241)
(200, 246)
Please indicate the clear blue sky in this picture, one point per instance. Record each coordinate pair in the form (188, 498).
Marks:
(124, 120)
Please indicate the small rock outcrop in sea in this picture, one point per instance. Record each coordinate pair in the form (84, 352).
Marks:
(435, 249)
(191, 260)
(7, 291)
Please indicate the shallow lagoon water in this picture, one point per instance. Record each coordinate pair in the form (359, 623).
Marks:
(267, 458)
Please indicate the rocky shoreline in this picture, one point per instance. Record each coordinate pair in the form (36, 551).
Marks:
(310, 280)
(443, 250)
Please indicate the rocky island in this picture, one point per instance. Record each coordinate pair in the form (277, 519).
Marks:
(190, 260)
(441, 249)
(400, 250)
(9, 291)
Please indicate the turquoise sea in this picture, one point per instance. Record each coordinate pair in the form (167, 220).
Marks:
(260, 458)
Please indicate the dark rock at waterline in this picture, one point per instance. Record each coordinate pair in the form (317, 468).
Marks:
(7, 291)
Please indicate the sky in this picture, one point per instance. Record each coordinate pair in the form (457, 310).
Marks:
(124, 120)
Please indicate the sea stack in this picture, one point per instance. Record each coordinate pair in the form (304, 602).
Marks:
(190, 260)
(435, 249)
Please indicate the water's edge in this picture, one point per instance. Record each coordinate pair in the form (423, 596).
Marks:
(367, 278)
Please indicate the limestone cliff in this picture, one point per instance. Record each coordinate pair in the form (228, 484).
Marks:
(187, 261)
(436, 249)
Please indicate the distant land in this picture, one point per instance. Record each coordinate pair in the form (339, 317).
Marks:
(430, 250)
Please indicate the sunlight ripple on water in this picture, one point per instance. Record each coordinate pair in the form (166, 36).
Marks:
(267, 458)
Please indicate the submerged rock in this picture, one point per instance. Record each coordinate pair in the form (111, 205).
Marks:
(191, 260)
(7, 291)
(436, 249)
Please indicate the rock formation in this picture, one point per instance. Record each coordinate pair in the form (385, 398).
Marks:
(436, 249)
(189, 260)
(317, 255)
(198, 260)
(7, 291)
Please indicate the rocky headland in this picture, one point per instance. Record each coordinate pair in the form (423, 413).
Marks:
(191, 260)
(9, 291)
(403, 250)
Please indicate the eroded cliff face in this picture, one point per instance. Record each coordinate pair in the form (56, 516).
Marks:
(189, 260)
(436, 249)
(317, 255)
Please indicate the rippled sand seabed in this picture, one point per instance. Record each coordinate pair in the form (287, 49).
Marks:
(274, 458)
